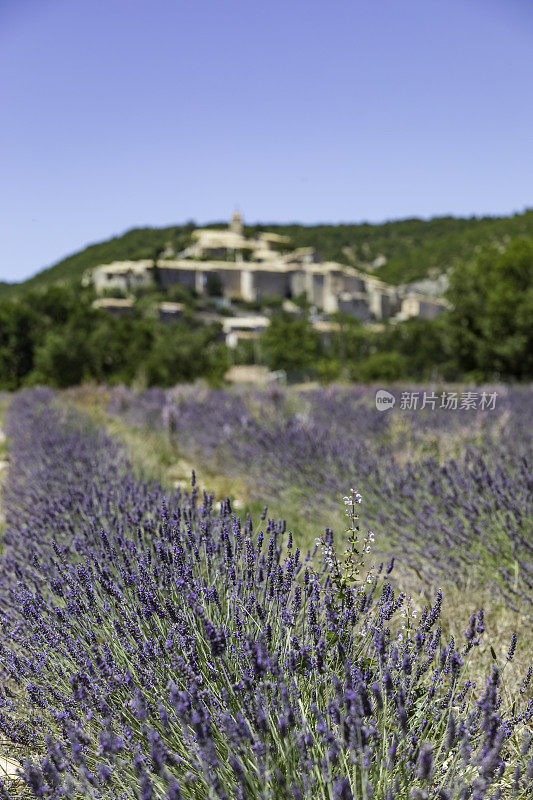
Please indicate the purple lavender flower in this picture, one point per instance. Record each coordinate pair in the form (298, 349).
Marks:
(424, 765)
(342, 790)
(512, 647)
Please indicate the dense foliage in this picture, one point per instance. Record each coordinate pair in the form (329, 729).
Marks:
(491, 324)
(161, 647)
(412, 350)
(56, 337)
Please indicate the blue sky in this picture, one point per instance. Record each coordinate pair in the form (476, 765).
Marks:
(118, 113)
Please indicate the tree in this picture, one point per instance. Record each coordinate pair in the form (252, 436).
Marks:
(381, 367)
(20, 329)
(352, 342)
(119, 346)
(491, 324)
(290, 343)
(63, 359)
(421, 343)
(181, 353)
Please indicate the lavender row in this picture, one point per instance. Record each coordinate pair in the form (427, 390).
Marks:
(453, 489)
(162, 647)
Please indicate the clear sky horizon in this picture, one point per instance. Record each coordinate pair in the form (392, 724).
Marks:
(125, 113)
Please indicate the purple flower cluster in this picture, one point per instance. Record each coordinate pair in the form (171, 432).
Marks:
(159, 646)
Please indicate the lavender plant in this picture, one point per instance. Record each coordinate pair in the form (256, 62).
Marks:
(159, 646)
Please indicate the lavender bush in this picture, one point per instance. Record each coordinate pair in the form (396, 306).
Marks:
(453, 490)
(160, 646)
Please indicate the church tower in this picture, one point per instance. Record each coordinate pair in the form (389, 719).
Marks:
(236, 223)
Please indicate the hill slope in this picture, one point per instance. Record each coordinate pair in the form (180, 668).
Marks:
(134, 244)
(412, 248)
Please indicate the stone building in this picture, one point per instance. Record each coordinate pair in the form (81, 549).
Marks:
(239, 328)
(124, 276)
(259, 267)
(232, 245)
(417, 305)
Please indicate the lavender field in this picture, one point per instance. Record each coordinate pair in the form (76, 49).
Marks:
(173, 643)
(448, 491)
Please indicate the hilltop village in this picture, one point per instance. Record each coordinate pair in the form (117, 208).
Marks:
(239, 273)
(160, 306)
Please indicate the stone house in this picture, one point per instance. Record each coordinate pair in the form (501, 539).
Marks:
(417, 305)
(238, 328)
(124, 276)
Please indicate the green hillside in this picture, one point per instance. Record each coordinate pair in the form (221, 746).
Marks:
(134, 244)
(413, 248)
